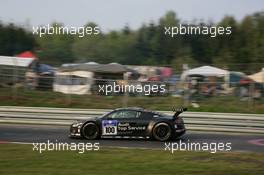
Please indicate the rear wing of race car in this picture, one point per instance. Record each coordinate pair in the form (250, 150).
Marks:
(178, 111)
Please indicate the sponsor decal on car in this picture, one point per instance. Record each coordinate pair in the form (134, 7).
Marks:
(109, 127)
(127, 127)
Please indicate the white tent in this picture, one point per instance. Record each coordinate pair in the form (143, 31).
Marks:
(75, 82)
(205, 71)
(15, 61)
(258, 77)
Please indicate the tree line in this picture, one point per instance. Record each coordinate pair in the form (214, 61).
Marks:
(242, 50)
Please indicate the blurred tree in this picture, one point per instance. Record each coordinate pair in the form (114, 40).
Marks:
(169, 19)
(227, 45)
(259, 20)
(247, 49)
(126, 30)
(56, 48)
(14, 40)
(242, 50)
(105, 48)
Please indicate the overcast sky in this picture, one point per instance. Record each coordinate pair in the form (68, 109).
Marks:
(114, 14)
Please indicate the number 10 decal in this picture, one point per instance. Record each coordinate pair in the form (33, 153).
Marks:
(109, 127)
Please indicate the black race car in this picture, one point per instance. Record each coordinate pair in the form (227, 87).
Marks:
(131, 123)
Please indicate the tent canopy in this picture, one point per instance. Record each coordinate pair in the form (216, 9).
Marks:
(15, 61)
(98, 68)
(205, 71)
(26, 54)
(258, 77)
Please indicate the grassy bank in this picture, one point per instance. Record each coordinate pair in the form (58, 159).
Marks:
(20, 159)
(23, 97)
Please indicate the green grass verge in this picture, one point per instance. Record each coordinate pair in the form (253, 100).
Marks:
(20, 159)
(53, 99)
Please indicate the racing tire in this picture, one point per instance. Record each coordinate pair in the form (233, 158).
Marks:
(162, 132)
(90, 131)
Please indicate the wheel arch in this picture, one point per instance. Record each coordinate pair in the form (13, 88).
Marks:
(90, 121)
(152, 124)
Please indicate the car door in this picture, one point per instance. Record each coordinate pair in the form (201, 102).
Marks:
(142, 122)
(133, 123)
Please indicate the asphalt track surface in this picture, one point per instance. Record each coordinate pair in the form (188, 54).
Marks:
(42, 133)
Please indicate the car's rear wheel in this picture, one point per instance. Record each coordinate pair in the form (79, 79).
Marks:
(162, 131)
(90, 131)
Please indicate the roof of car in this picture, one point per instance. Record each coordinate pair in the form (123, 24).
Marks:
(130, 108)
(136, 109)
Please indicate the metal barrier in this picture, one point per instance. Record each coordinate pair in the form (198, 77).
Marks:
(197, 121)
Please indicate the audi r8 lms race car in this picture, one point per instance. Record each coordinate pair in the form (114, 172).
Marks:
(131, 123)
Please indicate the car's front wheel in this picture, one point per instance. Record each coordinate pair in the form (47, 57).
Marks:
(90, 131)
(162, 131)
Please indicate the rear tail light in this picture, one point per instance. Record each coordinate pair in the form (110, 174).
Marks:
(179, 122)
